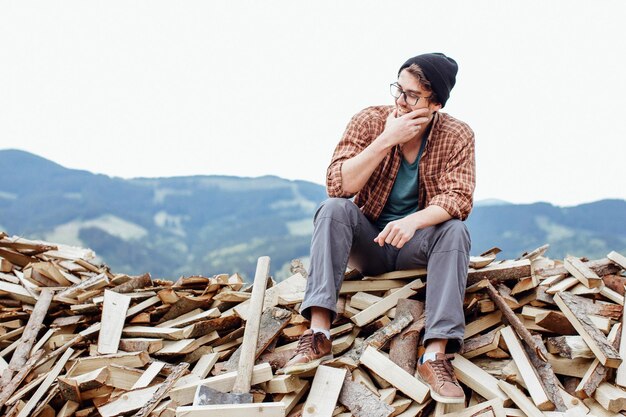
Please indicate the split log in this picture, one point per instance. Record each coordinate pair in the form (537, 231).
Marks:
(34, 325)
(273, 320)
(570, 347)
(45, 385)
(403, 347)
(480, 344)
(556, 322)
(597, 373)
(582, 272)
(380, 337)
(503, 271)
(547, 376)
(576, 313)
(162, 390)
(219, 324)
(136, 283)
(600, 267)
(528, 373)
(514, 321)
(377, 309)
(361, 401)
(615, 283)
(8, 389)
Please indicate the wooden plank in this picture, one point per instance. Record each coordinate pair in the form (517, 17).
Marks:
(618, 258)
(527, 371)
(45, 385)
(191, 317)
(88, 364)
(282, 384)
(563, 285)
(402, 274)
(150, 373)
(205, 364)
(582, 272)
(324, 392)
(294, 284)
(494, 404)
(378, 309)
(483, 323)
(610, 397)
(569, 367)
(184, 395)
(17, 292)
(611, 295)
(349, 287)
(168, 333)
(597, 342)
(123, 377)
(396, 376)
(127, 402)
(291, 400)
(141, 344)
(114, 312)
(518, 397)
(362, 300)
(478, 380)
(228, 410)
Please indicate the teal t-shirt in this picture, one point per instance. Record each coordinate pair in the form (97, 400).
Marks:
(403, 199)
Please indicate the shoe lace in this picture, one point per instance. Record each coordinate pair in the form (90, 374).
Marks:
(443, 369)
(306, 343)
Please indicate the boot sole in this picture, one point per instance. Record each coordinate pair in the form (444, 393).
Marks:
(305, 367)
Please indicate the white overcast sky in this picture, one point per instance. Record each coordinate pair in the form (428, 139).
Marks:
(249, 88)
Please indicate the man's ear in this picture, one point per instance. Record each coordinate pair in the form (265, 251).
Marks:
(434, 107)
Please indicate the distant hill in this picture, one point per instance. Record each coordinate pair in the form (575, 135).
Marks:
(213, 224)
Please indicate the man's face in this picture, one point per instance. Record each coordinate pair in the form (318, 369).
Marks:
(412, 88)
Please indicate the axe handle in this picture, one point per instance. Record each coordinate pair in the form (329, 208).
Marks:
(251, 334)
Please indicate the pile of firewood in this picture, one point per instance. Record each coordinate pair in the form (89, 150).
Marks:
(542, 337)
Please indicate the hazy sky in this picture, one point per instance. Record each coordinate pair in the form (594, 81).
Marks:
(155, 88)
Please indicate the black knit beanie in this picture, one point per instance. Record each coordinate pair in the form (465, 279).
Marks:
(440, 71)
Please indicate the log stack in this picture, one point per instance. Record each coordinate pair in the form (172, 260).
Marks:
(543, 338)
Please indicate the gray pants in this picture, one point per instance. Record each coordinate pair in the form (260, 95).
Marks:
(342, 233)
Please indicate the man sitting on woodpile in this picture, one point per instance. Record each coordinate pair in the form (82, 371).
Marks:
(411, 171)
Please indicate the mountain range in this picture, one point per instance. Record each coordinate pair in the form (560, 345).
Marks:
(219, 224)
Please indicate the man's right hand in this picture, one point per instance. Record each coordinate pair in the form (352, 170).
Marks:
(399, 130)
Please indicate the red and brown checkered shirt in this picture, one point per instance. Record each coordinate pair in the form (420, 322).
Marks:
(447, 173)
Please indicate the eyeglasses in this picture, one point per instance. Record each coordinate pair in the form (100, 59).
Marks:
(410, 98)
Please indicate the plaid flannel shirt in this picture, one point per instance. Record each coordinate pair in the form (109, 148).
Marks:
(447, 173)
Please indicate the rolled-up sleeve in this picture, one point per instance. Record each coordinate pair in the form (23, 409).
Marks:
(458, 181)
(357, 136)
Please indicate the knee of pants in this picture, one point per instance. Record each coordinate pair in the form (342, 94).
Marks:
(456, 231)
(336, 208)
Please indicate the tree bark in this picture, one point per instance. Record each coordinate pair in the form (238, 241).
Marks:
(403, 347)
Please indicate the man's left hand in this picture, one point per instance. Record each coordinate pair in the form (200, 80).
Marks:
(397, 232)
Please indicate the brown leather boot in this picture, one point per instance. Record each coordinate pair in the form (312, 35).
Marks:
(313, 349)
(439, 376)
